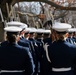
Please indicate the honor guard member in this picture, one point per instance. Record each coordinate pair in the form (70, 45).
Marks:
(61, 53)
(35, 46)
(16, 24)
(25, 42)
(40, 34)
(22, 41)
(32, 32)
(15, 59)
(27, 35)
(47, 37)
(47, 41)
(71, 39)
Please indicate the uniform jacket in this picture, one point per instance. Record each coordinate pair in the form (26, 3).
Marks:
(15, 57)
(62, 55)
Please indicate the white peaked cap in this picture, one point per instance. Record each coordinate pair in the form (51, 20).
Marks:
(32, 29)
(71, 30)
(61, 27)
(16, 23)
(12, 29)
(47, 31)
(23, 26)
(40, 30)
(27, 30)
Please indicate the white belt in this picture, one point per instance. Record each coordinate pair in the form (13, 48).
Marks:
(61, 69)
(10, 71)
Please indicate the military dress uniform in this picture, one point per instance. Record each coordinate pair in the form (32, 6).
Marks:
(15, 59)
(71, 39)
(46, 64)
(61, 53)
(36, 48)
(36, 53)
(26, 43)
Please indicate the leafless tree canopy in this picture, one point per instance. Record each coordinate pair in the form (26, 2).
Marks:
(58, 10)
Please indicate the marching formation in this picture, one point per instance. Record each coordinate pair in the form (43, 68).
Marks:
(30, 51)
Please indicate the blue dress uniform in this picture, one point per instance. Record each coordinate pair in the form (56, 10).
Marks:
(41, 56)
(73, 30)
(62, 54)
(15, 59)
(46, 64)
(47, 40)
(36, 55)
(36, 48)
(26, 43)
